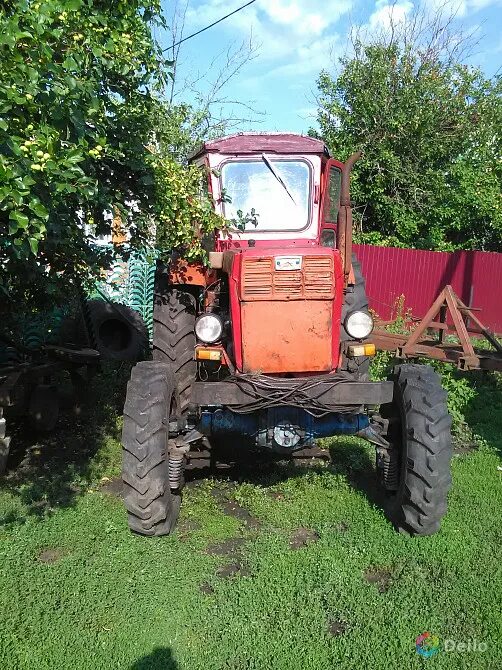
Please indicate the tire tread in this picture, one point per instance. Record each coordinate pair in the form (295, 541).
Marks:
(151, 507)
(174, 337)
(421, 502)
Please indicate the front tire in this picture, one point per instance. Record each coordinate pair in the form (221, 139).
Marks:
(174, 337)
(152, 508)
(420, 432)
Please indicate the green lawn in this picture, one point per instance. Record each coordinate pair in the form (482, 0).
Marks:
(287, 568)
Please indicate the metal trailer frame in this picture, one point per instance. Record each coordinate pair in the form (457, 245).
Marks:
(428, 339)
(17, 380)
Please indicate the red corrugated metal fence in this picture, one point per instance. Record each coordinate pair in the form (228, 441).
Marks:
(476, 277)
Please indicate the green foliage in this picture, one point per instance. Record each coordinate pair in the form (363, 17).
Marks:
(244, 221)
(183, 127)
(465, 391)
(77, 79)
(461, 391)
(85, 137)
(381, 365)
(185, 217)
(431, 134)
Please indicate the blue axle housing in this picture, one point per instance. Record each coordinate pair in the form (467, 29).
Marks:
(281, 428)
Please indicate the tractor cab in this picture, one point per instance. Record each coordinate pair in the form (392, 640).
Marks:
(274, 188)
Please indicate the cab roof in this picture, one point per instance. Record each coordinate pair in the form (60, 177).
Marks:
(252, 143)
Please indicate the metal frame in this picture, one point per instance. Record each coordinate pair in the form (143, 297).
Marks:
(330, 391)
(463, 354)
(16, 380)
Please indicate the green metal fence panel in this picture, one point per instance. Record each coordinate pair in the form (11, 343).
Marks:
(131, 283)
(140, 281)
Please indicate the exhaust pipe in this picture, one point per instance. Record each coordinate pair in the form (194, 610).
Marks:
(344, 229)
(345, 186)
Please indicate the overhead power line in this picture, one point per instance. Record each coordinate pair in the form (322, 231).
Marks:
(210, 26)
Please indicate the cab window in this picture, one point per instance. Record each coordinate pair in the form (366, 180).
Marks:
(332, 202)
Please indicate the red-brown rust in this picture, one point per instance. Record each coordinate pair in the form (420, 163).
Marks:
(345, 186)
(183, 272)
(420, 344)
(344, 228)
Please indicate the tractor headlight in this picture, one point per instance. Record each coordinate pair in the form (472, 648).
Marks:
(359, 325)
(208, 328)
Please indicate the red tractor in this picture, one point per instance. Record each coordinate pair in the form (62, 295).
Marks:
(270, 343)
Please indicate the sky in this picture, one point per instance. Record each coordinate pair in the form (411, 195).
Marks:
(293, 40)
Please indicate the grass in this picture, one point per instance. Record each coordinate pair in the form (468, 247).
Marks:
(288, 567)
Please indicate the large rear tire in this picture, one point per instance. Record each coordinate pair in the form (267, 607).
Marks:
(420, 431)
(118, 332)
(151, 398)
(174, 339)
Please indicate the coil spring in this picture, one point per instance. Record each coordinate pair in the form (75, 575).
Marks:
(390, 468)
(176, 470)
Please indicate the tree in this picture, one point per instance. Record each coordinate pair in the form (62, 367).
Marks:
(77, 93)
(88, 132)
(430, 128)
(197, 106)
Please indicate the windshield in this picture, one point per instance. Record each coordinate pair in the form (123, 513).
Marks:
(278, 191)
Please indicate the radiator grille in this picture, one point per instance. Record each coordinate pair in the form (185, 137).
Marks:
(257, 278)
(318, 277)
(288, 284)
(260, 281)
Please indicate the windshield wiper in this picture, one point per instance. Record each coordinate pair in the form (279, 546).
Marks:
(277, 176)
